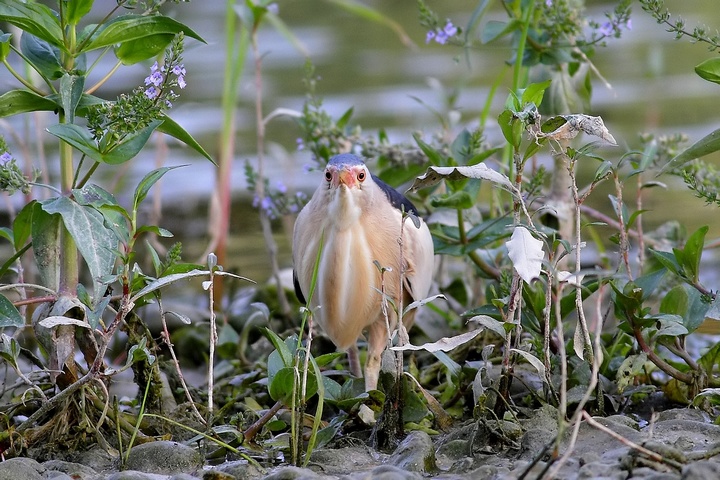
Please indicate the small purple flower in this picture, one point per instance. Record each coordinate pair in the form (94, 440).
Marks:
(281, 187)
(168, 103)
(179, 70)
(450, 30)
(256, 201)
(293, 208)
(266, 204)
(548, 3)
(300, 144)
(181, 82)
(430, 35)
(273, 8)
(441, 37)
(5, 158)
(307, 168)
(152, 93)
(607, 29)
(154, 67)
(628, 24)
(154, 78)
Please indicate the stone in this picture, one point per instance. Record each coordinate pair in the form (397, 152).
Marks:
(77, 471)
(414, 454)
(701, 470)
(21, 468)
(238, 469)
(163, 457)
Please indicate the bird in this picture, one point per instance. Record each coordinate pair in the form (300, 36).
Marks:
(355, 219)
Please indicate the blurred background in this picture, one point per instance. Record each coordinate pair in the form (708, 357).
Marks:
(650, 87)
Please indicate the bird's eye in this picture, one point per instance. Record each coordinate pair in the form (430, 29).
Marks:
(328, 175)
(361, 176)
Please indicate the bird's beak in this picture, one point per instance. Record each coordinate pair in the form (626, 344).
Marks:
(346, 177)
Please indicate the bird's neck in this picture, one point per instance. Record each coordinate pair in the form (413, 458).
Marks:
(345, 209)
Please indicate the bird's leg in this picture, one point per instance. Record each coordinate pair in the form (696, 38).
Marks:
(377, 341)
(354, 360)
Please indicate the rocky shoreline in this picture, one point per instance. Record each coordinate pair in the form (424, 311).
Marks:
(685, 439)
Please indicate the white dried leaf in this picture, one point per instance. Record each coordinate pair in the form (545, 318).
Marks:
(481, 171)
(570, 278)
(526, 253)
(445, 344)
(577, 123)
(533, 360)
(55, 320)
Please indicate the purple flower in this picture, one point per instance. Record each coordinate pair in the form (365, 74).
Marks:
(300, 143)
(607, 29)
(441, 37)
(430, 35)
(548, 3)
(273, 8)
(450, 30)
(152, 93)
(179, 70)
(281, 187)
(5, 158)
(266, 204)
(181, 81)
(628, 24)
(256, 201)
(154, 67)
(154, 78)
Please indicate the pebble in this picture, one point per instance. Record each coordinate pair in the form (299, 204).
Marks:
(163, 457)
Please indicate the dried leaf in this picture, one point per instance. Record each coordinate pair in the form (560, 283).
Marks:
(55, 320)
(445, 344)
(526, 253)
(481, 171)
(577, 123)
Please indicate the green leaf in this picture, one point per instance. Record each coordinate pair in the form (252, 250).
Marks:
(78, 137)
(457, 200)
(134, 51)
(22, 225)
(97, 244)
(508, 122)
(675, 301)
(23, 101)
(76, 10)
(9, 315)
(71, 90)
(130, 145)
(34, 18)
(709, 70)
(286, 356)
(131, 27)
(44, 56)
(667, 260)
(693, 252)
(433, 155)
(4, 45)
(495, 29)
(170, 127)
(46, 233)
(705, 146)
(281, 386)
(146, 184)
(534, 92)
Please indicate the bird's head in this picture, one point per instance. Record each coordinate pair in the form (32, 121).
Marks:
(346, 170)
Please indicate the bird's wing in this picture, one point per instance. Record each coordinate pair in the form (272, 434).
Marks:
(420, 258)
(396, 199)
(298, 291)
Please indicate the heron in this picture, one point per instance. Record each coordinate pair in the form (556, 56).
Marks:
(356, 220)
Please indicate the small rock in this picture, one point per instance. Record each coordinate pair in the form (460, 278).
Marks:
(133, 475)
(701, 470)
(21, 468)
(163, 457)
(388, 472)
(75, 470)
(414, 454)
(55, 475)
(218, 475)
(293, 473)
(602, 470)
(96, 458)
(184, 476)
(647, 473)
(239, 469)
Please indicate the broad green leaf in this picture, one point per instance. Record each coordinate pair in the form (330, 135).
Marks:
(4, 45)
(97, 244)
(282, 348)
(130, 146)
(7, 234)
(34, 18)
(670, 325)
(667, 260)
(132, 27)
(77, 9)
(433, 155)
(632, 366)
(709, 70)
(693, 252)
(675, 302)
(134, 51)
(495, 29)
(534, 92)
(44, 56)
(46, 234)
(170, 127)
(77, 136)
(507, 122)
(22, 226)
(9, 315)
(71, 90)
(457, 200)
(281, 386)
(146, 184)
(23, 101)
(705, 146)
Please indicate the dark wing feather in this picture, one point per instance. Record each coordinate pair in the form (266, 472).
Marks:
(298, 291)
(397, 199)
